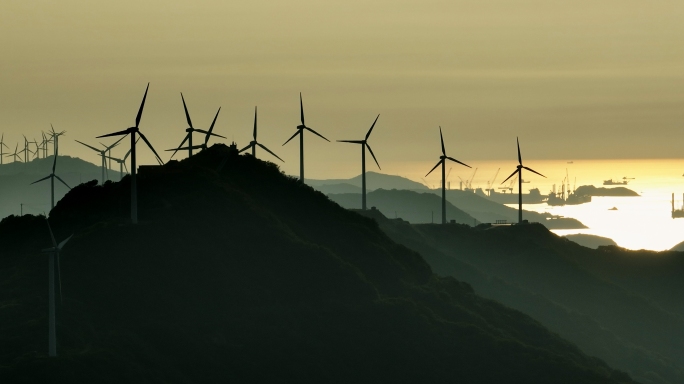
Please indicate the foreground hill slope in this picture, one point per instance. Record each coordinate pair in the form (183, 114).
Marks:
(251, 276)
(619, 305)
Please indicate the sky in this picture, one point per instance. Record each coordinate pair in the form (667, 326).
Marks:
(574, 80)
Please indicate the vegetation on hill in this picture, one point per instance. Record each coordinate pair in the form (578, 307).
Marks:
(251, 276)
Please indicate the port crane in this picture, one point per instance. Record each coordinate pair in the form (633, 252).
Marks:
(446, 179)
(491, 183)
(470, 182)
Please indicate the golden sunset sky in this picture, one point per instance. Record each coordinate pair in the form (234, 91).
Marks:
(574, 79)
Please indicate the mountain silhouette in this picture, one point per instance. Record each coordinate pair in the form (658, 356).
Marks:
(374, 181)
(251, 276)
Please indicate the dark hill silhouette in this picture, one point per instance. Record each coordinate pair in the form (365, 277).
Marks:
(374, 180)
(250, 276)
(415, 207)
(16, 179)
(622, 306)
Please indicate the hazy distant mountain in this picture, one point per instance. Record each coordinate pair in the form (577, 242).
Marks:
(623, 306)
(338, 188)
(16, 179)
(415, 207)
(250, 276)
(590, 241)
(374, 181)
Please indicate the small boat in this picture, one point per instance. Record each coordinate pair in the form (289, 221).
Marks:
(615, 182)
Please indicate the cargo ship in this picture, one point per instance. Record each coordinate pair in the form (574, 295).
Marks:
(624, 181)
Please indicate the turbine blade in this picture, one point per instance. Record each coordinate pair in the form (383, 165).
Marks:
(433, 168)
(254, 134)
(142, 105)
(211, 128)
(452, 159)
(93, 148)
(207, 133)
(125, 167)
(352, 141)
(371, 128)
(247, 147)
(316, 133)
(180, 146)
(269, 151)
(371, 152)
(293, 136)
(514, 172)
(183, 148)
(124, 132)
(532, 170)
(301, 108)
(58, 178)
(63, 243)
(151, 147)
(52, 236)
(519, 157)
(44, 178)
(54, 164)
(442, 138)
(115, 143)
(187, 115)
(129, 151)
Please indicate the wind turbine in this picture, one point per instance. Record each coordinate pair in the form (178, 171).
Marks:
(26, 151)
(2, 144)
(519, 169)
(364, 144)
(15, 155)
(108, 149)
(300, 132)
(132, 131)
(254, 143)
(192, 129)
(54, 280)
(442, 160)
(103, 154)
(52, 182)
(55, 138)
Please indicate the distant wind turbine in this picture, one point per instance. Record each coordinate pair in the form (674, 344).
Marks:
(52, 177)
(103, 154)
(300, 132)
(254, 143)
(2, 146)
(55, 138)
(132, 131)
(15, 155)
(54, 280)
(191, 129)
(364, 145)
(518, 171)
(26, 151)
(442, 160)
(122, 162)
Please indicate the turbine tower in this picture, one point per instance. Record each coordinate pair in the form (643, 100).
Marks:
(254, 143)
(132, 131)
(364, 145)
(52, 177)
(2, 144)
(53, 281)
(191, 129)
(442, 160)
(300, 132)
(26, 151)
(519, 169)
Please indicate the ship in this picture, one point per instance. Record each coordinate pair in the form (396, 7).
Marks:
(624, 181)
(557, 199)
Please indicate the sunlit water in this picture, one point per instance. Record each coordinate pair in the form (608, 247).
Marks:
(643, 222)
